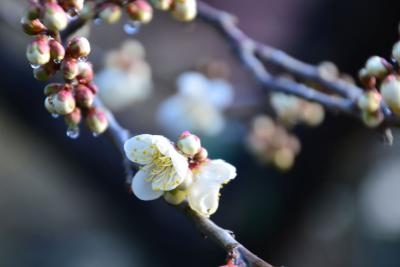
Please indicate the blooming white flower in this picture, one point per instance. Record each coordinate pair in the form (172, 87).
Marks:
(126, 78)
(164, 167)
(208, 178)
(198, 105)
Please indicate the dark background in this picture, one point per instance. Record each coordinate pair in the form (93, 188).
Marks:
(64, 202)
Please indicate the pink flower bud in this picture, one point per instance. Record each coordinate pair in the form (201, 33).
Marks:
(162, 4)
(189, 143)
(38, 52)
(62, 102)
(93, 88)
(55, 17)
(52, 88)
(140, 10)
(110, 13)
(74, 118)
(202, 155)
(45, 72)
(377, 67)
(32, 27)
(96, 121)
(85, 74)
(78, 47)
(184, 10)
(70, 68)
(390, 90)
(57, 51)
(84, 96)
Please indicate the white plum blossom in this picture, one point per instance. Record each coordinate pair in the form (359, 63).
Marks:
(126, 78)
(164, 168)
(198, 105)
(208, 178)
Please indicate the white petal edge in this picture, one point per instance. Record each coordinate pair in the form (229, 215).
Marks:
(143, 189)
(218, 171)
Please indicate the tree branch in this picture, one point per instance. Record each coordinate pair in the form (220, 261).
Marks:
(254, 54)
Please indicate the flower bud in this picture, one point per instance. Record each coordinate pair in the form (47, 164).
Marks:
(55, 17)
(70, 68)
(45, 72)
(313, 114)
(140, 10)
(184, 10)
(73, 119)
(32, 27)
(372, 119)
(162, 4)
(110, 13)
(396, 51)
(390, 90)
(84, 96)
(175, 197)
(96, 121)
(61, 103)
(57, 51)
(85, 74)
(284, 159)
(75, 5)
(367, 80)
(202, 155)
(189, 143)
(52, 88)
(78, 47)
(377, 66)
(38, 52)
(93, 87)
(370, 101)
(33, 12)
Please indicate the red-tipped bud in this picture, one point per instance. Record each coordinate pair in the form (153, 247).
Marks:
(96, 121)
(55, 17)
(52, 88)
(38, 52)
(110, 13)
(32, 27)
(85, 74)
(84, 96)
(189, 143)
(57, 51)
(140, 10)
(74, 118)
(161, 4)
(78, 47)
(184, 10)
(70, 68)
(62, 102)
(377, 67)
(45, 72)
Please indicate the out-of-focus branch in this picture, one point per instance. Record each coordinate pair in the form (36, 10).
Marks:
(254, 55)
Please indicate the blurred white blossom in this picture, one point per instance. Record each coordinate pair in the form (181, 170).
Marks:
(126, 77)
(198, 105)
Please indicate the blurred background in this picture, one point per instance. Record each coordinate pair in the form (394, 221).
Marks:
(64, 202)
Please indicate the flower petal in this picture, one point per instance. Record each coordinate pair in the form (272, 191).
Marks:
(218, 171)
(143, 189)
(140, 148)
(167, 181)
(203, 195)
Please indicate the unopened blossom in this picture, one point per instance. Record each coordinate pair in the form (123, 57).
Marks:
(163, 167)
(126, 78)
(208, 179)
(271, 143)
(198, 105)
(292, 110)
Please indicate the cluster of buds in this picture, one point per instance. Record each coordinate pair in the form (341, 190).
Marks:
(381, 81)
(271, 143)
(292, 110)
(72, 99)
(141, 11)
